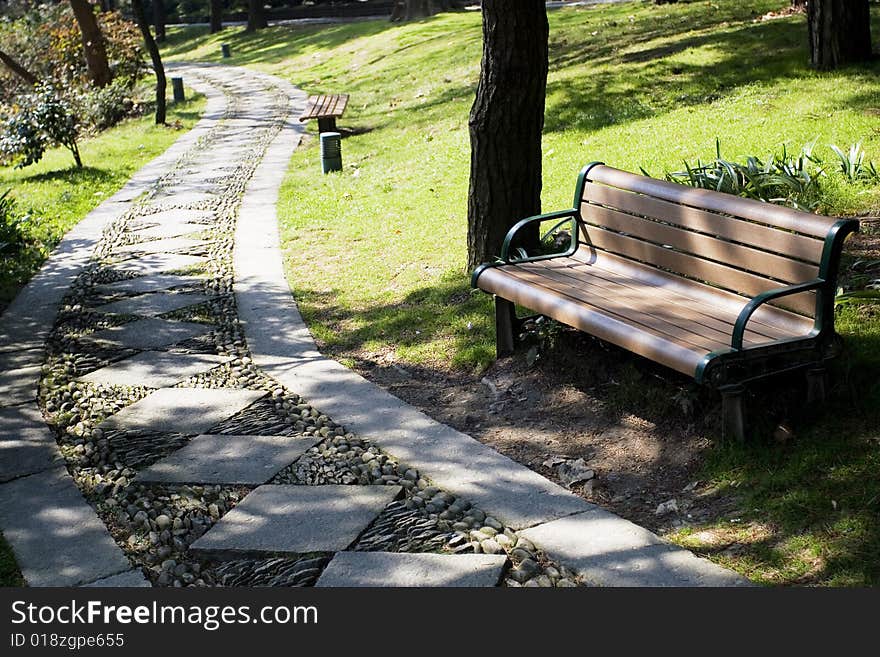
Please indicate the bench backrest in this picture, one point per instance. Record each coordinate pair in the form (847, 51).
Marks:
(738, 244)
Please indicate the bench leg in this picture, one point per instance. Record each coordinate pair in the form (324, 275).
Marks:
(816, 385)
(327, 125)
(505, 327)
(732, 425)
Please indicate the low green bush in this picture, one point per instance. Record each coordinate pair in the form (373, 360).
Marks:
(44, 119)
(780, 178)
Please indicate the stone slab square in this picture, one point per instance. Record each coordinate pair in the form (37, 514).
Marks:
(169, 230)
(148, 333)
(154, 303)
(154, 369)
(57, 538)
(162, 245)
(607, 550)
(376, 569)
(297, 519)
(175, 216)
(182, 410)
(228, 459)
(184, 197)
(152, 283)
(159, 263)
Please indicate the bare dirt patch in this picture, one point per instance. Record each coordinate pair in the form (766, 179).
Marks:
(574, 403)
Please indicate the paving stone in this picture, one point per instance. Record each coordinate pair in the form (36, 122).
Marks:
(148, 333)
(129, 579)
(21, 357)
(169, 230)
(189, 185)
(55, 535)
(19, 385)
(26, 443)
(182, 410)
(152, 283)
(607, 550)
(159, 263)
(155, 303)
(228, 459)
(297, 519)
(178, 216)
(185, 198)
(361, 569)
(162, 246)
(154, 369)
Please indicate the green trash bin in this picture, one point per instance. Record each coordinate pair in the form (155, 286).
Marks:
(331, 152)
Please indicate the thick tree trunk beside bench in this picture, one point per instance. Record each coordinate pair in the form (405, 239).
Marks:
(723, 289)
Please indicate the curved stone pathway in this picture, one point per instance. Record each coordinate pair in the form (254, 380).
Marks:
(167, 419)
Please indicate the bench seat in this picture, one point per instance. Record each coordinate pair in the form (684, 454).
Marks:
(655, 314)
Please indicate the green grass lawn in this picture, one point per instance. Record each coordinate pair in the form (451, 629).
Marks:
(55, 195)
(376, 254)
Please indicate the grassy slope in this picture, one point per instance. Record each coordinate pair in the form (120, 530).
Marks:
(57, 195)
(375, 255)
(633, 84)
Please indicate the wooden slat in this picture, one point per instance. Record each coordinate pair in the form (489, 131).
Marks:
(665, 350)
(322, 107)
(737, 230)
(694, 267)
(703, 246)
(636, 312)
(697, 316)
(648, 306)
(778, 322)
(765, 213)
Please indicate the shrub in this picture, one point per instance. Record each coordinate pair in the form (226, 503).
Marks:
(781, 179)
(105, 107)
(12, 223)
(44, 118)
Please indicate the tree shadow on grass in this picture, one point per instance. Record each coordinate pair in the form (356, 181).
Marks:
(628, 92)
(86, 175)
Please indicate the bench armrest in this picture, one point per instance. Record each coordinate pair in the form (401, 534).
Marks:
(563, 215)
(746, 313)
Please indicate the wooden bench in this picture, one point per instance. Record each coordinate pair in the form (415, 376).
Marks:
(326, 109)
(723, 289)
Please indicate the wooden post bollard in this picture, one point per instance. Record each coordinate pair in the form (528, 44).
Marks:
(225, 48)
(177, 86)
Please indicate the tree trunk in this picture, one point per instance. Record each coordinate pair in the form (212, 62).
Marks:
(216, 16)
(18, 69)
(93, 42)
(159, 20)
(256, 16)
(505, 123)
(140, 17)
(839, 31)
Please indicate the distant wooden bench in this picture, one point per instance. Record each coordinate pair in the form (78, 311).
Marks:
(326, 109)
(723, 289)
